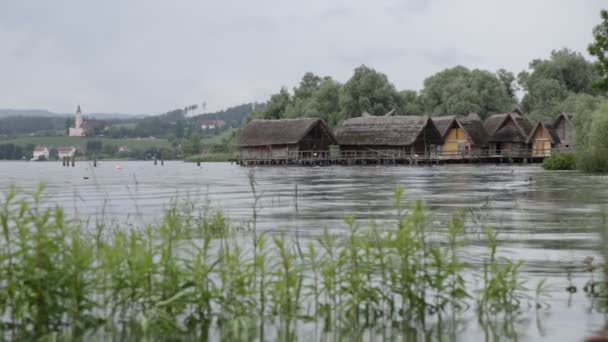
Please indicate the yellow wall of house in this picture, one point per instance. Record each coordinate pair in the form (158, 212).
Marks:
(453, 138)
(541, 143)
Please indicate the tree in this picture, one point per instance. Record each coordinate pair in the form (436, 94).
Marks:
(459, 90)
(324, 102)
(179, 129)
(367, 91)
(583, 106)
(53, 154)
(275, 108)
(551, 81)
(599, 49)
(410, 102)
(192, 145)
(508, 80)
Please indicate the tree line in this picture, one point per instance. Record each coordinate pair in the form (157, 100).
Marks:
(549, 87)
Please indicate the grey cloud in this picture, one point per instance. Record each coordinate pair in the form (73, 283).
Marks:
(451, 57)
(153, 55)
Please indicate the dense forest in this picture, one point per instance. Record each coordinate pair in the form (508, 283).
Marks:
(549, 86)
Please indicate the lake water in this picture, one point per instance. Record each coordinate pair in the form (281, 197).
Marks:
(547, 219)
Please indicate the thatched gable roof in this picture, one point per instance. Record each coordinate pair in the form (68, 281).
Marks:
(471, 124)
(548, 128)
(280, 132)
(568, 117)
(498, 130)
(384, 130)
(443, 123)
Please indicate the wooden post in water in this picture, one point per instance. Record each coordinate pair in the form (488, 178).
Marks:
(296, 197)
(73, 161)
(162, 162)
(95, 161)
(155, 161)
(198, 163)
(63, 161)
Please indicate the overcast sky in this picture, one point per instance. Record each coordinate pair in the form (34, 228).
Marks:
(149, 56)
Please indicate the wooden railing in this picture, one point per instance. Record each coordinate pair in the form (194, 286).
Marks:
(356, 155)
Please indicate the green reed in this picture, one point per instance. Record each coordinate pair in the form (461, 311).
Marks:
(195, 275)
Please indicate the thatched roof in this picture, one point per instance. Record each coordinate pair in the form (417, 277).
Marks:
(568, 117)
(443, 123)
(384, 130)
(497, 129)
(548, 128)
(279, 132)
(471, 124)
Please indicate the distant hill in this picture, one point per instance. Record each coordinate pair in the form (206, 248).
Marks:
(233, 116)
(46, 114)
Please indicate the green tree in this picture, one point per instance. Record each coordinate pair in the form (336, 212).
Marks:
(551, 81)
(192, 145)
(410, 102)
(367, 91)
(593, 156)
(508, 80)
(179, 129)
(275, 108)
(459, 90)
(599, 49)
(53, 154)
(583, 106)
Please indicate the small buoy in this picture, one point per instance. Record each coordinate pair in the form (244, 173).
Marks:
(119, 167)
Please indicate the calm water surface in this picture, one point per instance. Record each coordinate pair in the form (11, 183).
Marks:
(548, 219)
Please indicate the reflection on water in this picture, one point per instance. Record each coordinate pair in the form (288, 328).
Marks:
(547, 219)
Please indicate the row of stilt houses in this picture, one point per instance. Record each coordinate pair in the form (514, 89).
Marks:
(404, 139)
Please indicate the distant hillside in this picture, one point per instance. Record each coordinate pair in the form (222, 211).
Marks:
(234, 116)
(46, 114)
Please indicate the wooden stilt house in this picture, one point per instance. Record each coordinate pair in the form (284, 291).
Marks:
(463, 136)
(389, 136)
(508, 134)
(564, 129)
(276, 140)
(542, 139)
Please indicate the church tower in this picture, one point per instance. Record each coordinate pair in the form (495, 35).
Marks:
(78, 129)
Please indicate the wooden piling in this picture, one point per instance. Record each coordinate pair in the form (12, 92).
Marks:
(73, 161)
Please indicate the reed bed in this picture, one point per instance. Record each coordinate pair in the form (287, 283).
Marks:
(194, 275)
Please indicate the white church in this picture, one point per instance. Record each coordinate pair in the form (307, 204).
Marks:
(78, 130)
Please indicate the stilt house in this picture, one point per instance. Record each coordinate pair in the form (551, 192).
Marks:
(564, 129)
(278, 139)
(542, 139)
(507, 134)
(463, 136)
(389, 135)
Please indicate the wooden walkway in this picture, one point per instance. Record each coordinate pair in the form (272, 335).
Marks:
(397, 158)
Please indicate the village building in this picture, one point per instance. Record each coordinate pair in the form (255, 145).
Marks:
(564, 128)
(280, 140)
(463, 136)
(40, 152)
(389, 135)
(508, 134)
(66, 151)
(78, 130)
(542, 139)
(212, 124)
